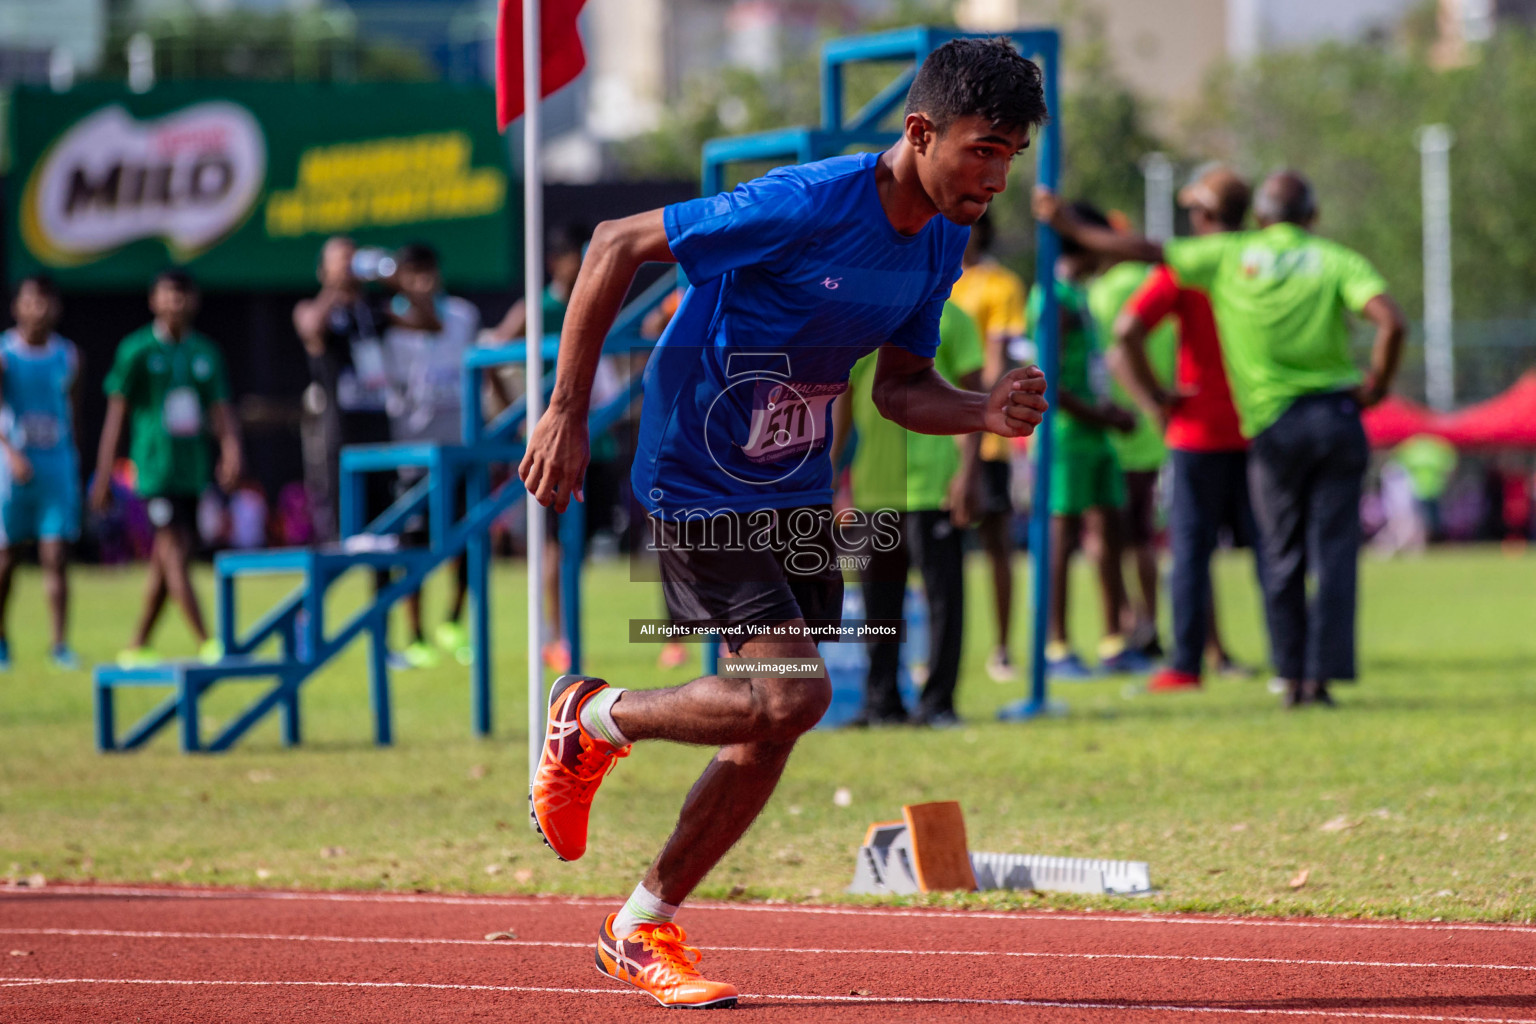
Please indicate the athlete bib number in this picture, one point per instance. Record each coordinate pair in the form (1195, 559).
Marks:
(182, 413)
(789, 419)
(38, 430)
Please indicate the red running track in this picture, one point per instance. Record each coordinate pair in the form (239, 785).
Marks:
(103, 954)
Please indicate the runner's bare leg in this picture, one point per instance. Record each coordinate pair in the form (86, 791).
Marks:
(755, 722)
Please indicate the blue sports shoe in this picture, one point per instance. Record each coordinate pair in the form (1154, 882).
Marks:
(63, 658)
(1069, 668)
(1128, 662)
(5, 654)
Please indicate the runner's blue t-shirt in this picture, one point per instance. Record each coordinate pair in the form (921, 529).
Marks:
(795, 276)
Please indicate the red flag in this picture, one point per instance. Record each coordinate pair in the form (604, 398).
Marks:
(561, 56)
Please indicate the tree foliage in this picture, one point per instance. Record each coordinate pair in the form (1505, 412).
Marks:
(1346, 116)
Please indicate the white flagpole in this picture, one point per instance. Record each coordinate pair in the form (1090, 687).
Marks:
(533, 291)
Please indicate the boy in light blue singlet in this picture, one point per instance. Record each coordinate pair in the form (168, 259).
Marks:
(40, 477)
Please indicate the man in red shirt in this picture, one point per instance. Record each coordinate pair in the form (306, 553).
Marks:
(1208, 453)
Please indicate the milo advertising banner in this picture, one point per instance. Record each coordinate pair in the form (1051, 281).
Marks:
(240, 183)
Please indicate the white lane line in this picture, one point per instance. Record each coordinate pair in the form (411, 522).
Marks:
(800, 998)
(796, 951)
(579, 901)
(1033, 917)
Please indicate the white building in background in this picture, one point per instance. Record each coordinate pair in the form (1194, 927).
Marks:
(1165, 48)
(1256, 26)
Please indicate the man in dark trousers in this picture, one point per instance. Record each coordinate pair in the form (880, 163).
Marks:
(1282, 297)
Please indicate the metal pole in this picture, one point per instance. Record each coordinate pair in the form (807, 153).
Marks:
(1434, 142)
(1047, 247)
(533, 290)
(1157, 201)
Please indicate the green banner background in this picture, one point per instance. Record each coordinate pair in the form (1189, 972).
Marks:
(386, 164)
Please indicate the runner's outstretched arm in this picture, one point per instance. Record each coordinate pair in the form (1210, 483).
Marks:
(909, 391)
(556, 460)
(1049, 209)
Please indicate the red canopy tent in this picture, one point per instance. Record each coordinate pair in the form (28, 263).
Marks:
(1507, 420)
(1396, 419)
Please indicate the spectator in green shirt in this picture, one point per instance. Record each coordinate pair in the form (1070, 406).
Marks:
(1282, 298)
(928, 488)
(169, 384)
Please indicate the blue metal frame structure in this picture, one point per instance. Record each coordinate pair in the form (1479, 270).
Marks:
(840, 132)
(299, 624)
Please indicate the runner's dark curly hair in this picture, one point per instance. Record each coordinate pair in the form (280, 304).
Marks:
(985, 77)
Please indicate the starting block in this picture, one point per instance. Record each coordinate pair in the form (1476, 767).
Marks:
(926, 852)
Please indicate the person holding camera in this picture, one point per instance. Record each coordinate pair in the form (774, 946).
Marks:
(344, 402)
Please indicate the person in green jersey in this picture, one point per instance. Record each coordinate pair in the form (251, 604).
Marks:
(1429, 461)
(1282, 298)
(1141, 452)
(925, 489)
(168, 383)
(1087, 488)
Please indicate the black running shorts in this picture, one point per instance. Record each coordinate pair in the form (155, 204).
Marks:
(750, 569)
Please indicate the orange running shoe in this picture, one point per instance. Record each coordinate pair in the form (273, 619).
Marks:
(571, 768)
(654, 959)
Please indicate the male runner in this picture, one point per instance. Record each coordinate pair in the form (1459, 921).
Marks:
(795, 276)
(168, 383)
(1282, 298)
(40, 481)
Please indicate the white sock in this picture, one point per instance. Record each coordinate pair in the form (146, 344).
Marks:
(596, 716)
(642, 907)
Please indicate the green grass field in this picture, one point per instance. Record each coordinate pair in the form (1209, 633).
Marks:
(1412, 799)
